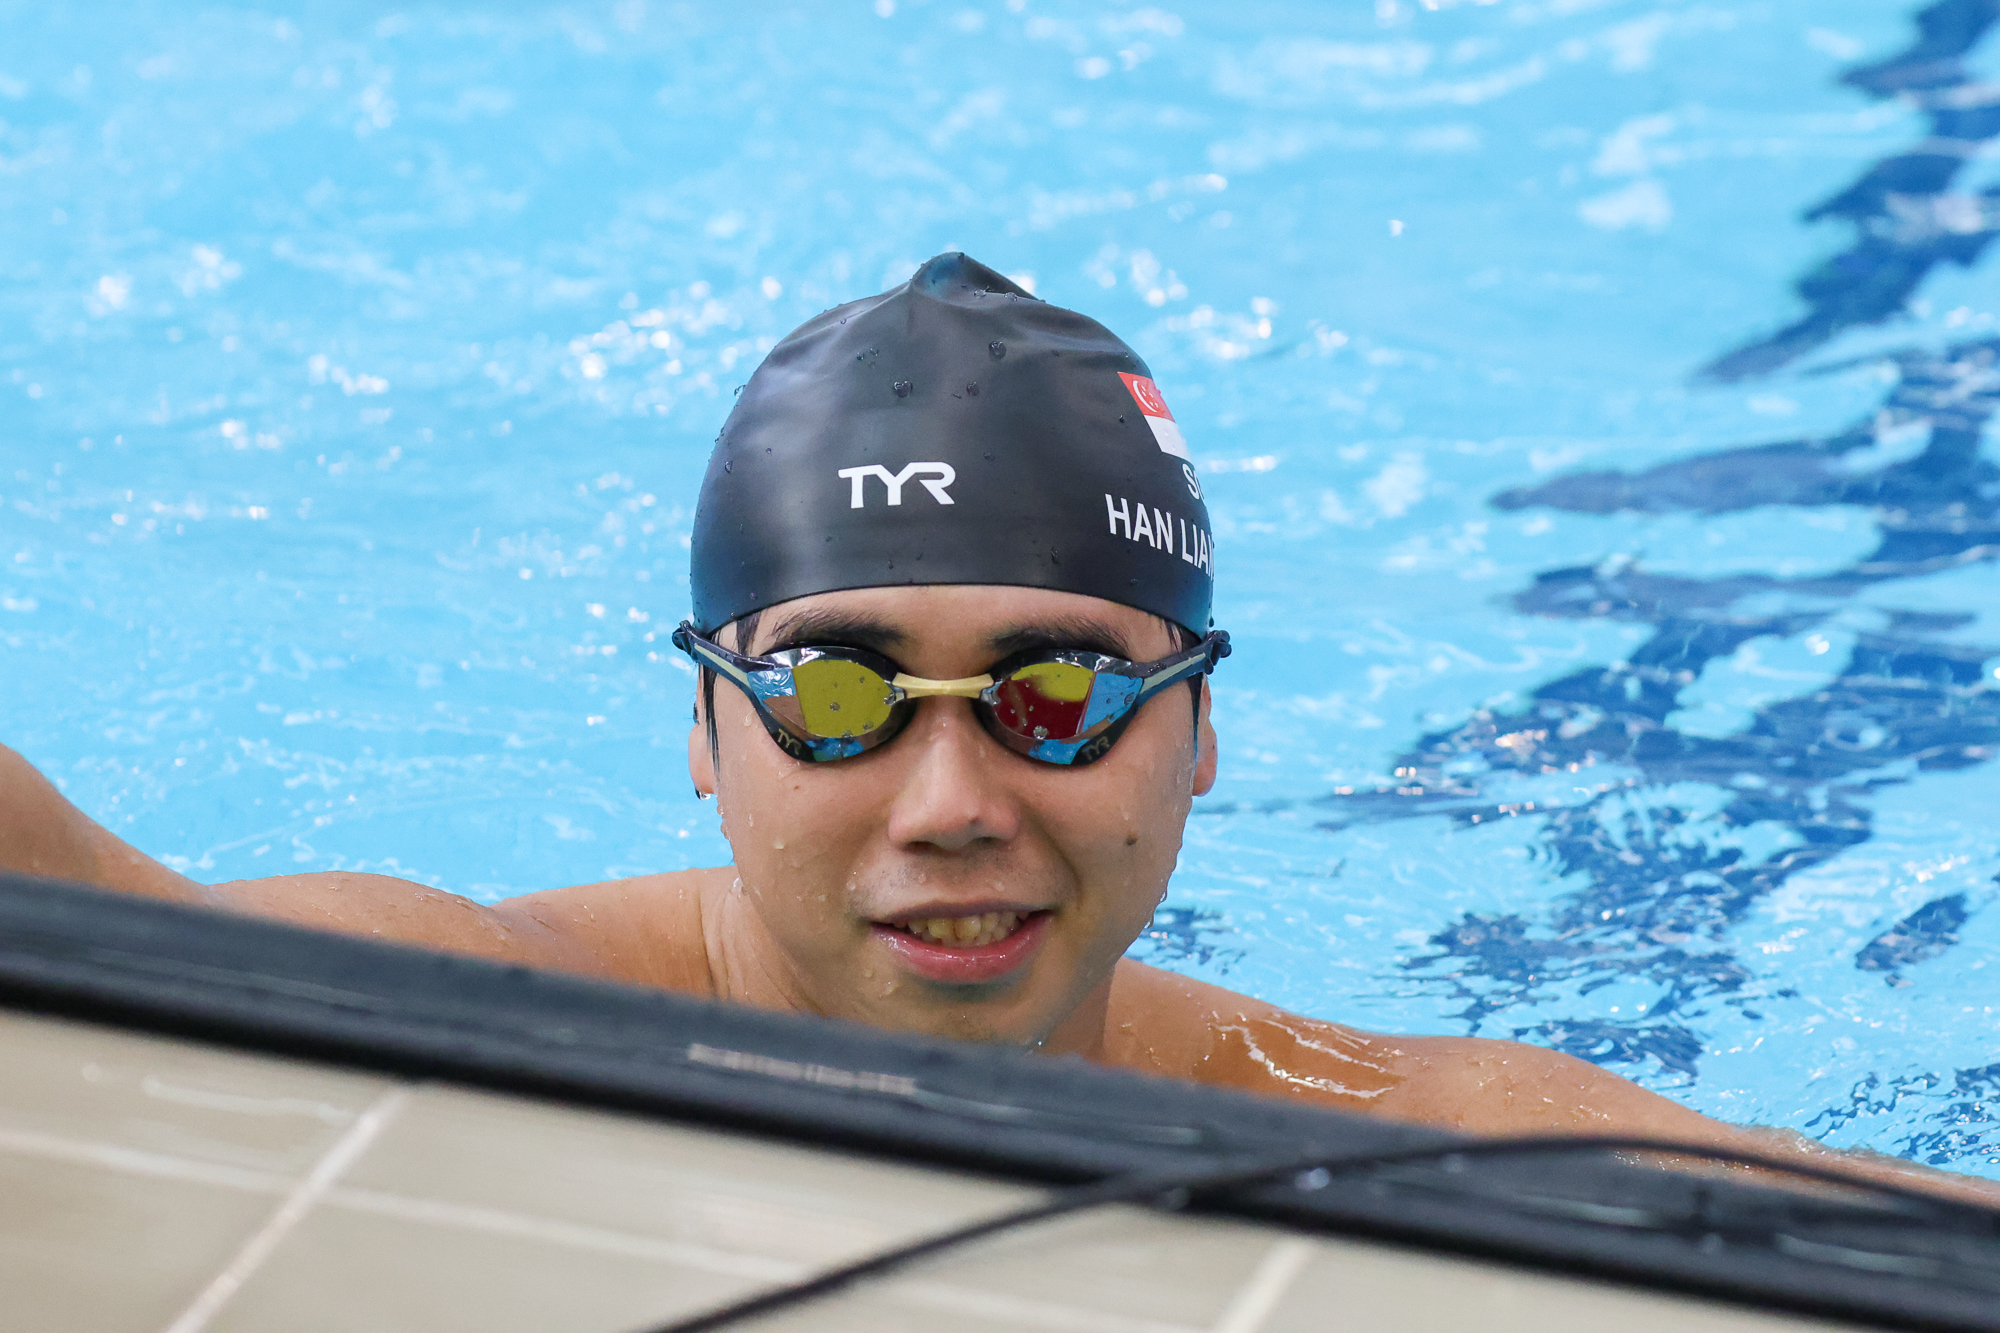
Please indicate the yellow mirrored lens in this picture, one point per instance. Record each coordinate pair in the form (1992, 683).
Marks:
(840, 698)
(1062, 682)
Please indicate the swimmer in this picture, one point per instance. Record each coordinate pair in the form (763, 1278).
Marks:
(951, 576)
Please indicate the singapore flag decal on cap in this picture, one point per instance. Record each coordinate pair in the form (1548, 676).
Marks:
(1165, 429)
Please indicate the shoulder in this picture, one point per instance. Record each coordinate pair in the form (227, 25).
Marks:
(1174, 1026)
(646, 930)
(1487, 1086)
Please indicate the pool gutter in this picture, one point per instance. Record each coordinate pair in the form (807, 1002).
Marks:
(238, 981)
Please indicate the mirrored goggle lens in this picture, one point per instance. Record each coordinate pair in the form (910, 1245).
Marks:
(836, 699)
(1055, 701)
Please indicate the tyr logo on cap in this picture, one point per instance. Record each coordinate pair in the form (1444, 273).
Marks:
(1166, 431)
(941, 476)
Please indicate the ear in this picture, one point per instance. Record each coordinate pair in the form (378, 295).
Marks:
(1205, 758)
(701, 761)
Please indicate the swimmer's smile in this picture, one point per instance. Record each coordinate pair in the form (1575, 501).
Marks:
(964, 943)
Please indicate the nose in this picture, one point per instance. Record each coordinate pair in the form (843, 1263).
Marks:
(954, 795)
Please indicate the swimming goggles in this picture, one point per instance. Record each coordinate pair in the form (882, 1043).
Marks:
(1061, 706)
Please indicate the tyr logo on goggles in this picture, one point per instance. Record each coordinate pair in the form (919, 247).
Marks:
(1061, 706)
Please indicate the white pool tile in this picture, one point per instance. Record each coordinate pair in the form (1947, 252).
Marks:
(347, 1271)
(87, 1248)
(101, 1085)
(736, 1194)
(1351, 1284)
(134, 1171)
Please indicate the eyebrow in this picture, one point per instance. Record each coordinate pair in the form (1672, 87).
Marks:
(1063, 632)
(806, 629)
(846, 629)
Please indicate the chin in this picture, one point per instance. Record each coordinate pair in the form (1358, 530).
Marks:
(969, 1021)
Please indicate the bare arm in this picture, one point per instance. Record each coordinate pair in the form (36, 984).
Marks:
(1166, 1024)
(41, 833)
(644, 930)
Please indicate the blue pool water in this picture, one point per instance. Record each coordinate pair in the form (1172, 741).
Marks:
(1593, 398)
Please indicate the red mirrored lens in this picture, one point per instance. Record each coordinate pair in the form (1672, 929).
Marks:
(1045, 701)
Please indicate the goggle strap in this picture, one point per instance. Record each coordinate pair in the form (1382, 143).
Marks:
(1199, 658)
(719, 659)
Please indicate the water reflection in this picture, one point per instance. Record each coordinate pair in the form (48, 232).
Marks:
(1673, 836)
(1907, 219)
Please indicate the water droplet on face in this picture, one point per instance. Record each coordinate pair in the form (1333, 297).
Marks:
(738, 391)
(867, 974)
(997, 348)
(777, 844)
(902, 388)
(736, 886)
(728, 466)
(972, 391)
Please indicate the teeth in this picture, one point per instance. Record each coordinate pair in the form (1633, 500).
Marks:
(966, 932)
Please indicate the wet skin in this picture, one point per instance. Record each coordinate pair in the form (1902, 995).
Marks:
(839, 867)
(944, 822)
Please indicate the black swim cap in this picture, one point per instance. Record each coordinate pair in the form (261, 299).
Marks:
(953, 430)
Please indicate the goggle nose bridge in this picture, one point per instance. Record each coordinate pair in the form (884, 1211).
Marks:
(965, 687)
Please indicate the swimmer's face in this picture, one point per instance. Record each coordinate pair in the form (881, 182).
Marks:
(1038, 876)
